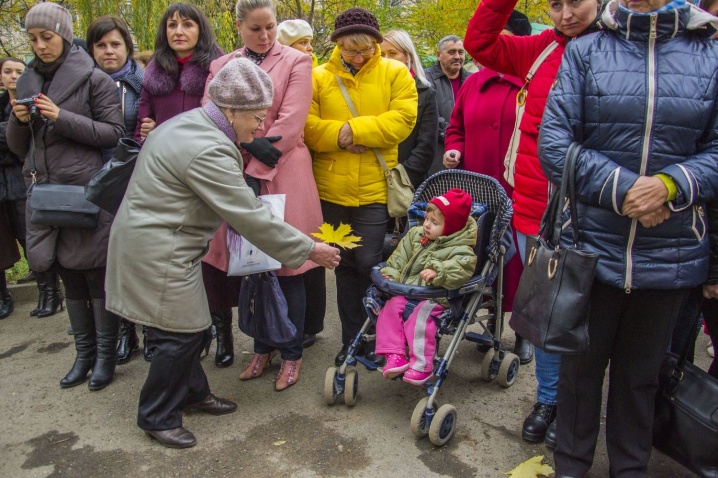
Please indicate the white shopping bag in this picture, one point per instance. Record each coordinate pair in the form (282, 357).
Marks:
(244, 257)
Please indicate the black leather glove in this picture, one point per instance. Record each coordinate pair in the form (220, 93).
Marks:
(253, 183)
(262, 149)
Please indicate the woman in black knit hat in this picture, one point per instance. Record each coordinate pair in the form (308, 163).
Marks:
(351, 183)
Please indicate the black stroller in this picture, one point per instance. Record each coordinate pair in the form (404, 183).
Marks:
(493, 244)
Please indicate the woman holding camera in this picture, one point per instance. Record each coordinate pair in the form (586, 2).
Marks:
(74, 114)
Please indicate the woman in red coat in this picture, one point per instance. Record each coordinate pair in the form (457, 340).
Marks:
(486, 110)
(512, 55)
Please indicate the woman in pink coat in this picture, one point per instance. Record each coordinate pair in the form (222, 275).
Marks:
(290, 173)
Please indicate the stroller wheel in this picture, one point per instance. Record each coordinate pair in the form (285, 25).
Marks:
(443, 425)
(508, 370)
(351, 388)
(419, 426)
(486, 374)
(330, 393)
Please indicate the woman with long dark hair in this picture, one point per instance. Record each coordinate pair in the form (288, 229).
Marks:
(175, 77)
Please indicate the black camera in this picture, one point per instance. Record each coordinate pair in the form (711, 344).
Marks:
(31, 103)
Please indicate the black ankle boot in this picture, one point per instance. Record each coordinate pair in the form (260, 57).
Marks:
(53, 295)
(81, 321)
(128, 344)
(106, 330)
(146, 351)
(524, 349)
(41, 293)
(6, 303)
(371, 356)
(550, 438)
(536, 424)
(225, 338)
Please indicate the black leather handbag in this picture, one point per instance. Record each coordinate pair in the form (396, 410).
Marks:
(552, 301)
(107, 187)
(685, 425)
(62, 205)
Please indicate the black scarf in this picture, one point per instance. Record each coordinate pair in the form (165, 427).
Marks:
(48, 70)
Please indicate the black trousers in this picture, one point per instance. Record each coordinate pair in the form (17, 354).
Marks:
(352, 275)
(315, 291)
(175, 379)
(629, 333)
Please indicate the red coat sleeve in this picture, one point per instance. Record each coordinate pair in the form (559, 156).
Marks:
(511, 55)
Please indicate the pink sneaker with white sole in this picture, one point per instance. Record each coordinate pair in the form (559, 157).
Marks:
(417, 378)
(396, 364)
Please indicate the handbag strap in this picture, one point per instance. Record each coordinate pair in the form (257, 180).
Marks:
(521, 95)
(551, 223)
(355, 113)
(540, 59)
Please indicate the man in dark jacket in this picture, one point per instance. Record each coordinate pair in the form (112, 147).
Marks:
(446, 76)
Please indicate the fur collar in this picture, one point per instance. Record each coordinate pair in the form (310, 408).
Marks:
(192, 80)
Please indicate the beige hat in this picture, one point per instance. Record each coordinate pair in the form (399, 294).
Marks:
(50, 16)
(241, 85)
(291, 31)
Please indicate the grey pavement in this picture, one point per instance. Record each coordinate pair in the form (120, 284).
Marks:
(50, 432)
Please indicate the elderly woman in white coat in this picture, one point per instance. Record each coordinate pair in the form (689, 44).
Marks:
(193, 164)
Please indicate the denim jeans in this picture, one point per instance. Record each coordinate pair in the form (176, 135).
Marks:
(547, 365)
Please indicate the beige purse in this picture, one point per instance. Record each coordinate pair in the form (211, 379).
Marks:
(510, 158)
(400, 192)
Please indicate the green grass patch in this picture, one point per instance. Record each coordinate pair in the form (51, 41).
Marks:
(19, 270)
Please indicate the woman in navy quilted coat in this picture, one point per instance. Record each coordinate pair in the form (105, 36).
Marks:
(641, 98)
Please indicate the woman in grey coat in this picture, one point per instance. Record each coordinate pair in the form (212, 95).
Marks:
(154, 273)
(78, 114)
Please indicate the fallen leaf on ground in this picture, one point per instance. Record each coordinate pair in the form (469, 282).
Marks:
(531, 468)
(279, 442)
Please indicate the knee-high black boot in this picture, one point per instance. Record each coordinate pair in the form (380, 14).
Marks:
(41, 293)
(106, 329)
(129, 343)
(53, 295)
(81, 321)
(222, 321)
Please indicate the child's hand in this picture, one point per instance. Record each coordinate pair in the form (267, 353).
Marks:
(386, 276)
(427, 275)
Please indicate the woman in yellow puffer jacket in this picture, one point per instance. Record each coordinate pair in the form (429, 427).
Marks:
(351, 183)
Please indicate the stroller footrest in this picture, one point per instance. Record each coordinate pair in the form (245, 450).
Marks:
(479, 338)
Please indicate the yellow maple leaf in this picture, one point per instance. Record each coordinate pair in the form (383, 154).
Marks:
(341, 236)
(531, 468)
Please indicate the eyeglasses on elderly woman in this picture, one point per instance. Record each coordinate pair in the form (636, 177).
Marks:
(349, 54)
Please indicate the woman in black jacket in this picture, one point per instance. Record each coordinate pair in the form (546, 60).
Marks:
(12, 186)
(417, 151)
(109, 42)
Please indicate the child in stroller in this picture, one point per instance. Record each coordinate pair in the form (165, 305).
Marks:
(438, 253)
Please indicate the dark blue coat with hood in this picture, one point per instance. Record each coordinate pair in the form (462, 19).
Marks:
(641, 97)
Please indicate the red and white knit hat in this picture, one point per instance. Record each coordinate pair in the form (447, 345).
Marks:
(455, 205)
